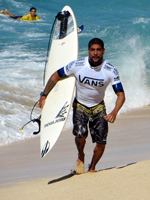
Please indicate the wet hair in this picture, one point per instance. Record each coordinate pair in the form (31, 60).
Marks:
(32, 9)
(96, 41)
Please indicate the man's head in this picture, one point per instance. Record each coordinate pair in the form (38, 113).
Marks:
(32, 11)
(96, 51)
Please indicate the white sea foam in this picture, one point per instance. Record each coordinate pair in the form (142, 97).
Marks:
(23, 49)
(139, 20)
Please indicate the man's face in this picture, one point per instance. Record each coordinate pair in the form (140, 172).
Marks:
(32, 12)
(96, 54)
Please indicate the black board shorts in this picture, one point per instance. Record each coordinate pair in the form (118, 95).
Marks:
(16, 17)
(94, 117)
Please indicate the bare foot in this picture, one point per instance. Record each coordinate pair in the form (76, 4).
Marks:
(79, 168)
(3, 12)
(6, 11)
(92, 171)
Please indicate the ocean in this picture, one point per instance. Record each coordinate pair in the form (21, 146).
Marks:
(124, 26)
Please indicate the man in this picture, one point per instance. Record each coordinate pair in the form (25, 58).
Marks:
(93, 75)
(30, 17)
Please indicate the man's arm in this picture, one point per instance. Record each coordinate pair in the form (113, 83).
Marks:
(119, 103)
(49, 86)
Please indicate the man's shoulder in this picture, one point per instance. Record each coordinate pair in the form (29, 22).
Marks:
(108, 66)
(110, 69)
(28, 15)
(80, 62)
(74, 66)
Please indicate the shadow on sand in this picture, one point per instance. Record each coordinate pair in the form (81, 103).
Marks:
(118, 167)
(63, 177)
(74, 173)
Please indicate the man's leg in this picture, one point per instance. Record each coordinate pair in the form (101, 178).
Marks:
(98, 152)
(7, 12)
(80, 143)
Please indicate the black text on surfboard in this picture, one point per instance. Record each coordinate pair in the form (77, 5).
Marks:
(45, 148)
(60, 116)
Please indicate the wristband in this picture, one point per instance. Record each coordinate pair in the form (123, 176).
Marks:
(42, 94)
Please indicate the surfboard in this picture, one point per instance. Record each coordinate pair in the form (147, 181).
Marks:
(64, 49)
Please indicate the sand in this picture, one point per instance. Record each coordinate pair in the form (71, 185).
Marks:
(128, 183)
(122, 173)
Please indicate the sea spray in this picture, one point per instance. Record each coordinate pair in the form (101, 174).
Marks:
(123, 26)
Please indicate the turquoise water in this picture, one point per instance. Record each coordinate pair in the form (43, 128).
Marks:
(124, 26)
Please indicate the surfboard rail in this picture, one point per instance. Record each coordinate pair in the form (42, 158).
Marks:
(64, 49)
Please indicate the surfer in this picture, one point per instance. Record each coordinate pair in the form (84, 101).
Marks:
(93, 75)
(30, 17)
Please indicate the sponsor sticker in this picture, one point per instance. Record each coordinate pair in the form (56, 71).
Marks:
(115, 71)
(45, 148)
(117, 78)
(68, 67)
(108, 68)
(60, 116)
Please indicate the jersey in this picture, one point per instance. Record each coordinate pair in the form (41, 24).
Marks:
(29, 18)
(91, 82)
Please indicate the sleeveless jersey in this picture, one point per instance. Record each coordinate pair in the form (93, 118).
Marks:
(91, 82)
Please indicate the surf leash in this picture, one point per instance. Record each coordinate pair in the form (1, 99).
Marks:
(37, 120)
(48, 48)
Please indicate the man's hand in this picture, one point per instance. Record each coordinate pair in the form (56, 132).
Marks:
(111, 117)
(49, 86)
(42, 102)
(119, 102)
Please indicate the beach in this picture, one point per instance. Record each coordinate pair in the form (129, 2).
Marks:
(127, 183)
(122, 173)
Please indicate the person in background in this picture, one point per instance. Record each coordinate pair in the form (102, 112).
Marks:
(30, 17)
(93, 75)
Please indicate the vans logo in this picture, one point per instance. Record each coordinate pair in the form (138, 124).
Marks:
(91, 81)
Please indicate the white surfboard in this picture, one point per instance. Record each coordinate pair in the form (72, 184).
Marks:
(64, 49)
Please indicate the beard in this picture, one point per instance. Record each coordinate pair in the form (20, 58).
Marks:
(97, 63)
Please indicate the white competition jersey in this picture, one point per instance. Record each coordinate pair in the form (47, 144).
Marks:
(91, 82)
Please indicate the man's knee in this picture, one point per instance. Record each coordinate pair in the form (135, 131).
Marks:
(100, 147)
(80, 139)
(80, 142)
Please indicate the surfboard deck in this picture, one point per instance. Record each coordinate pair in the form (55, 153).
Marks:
(64, 49)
